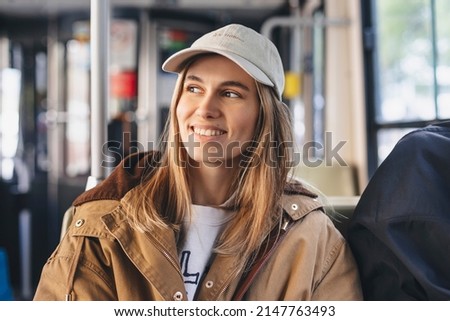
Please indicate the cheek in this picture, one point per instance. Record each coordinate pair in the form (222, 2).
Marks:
(248, 123)
(178, 114)
(183, 109)
(182, 114)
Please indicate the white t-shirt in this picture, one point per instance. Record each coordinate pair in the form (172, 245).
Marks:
(201, 232)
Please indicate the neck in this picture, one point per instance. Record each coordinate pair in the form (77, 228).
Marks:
(210, 186)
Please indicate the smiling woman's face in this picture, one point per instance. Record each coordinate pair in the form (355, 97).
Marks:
(218, 110)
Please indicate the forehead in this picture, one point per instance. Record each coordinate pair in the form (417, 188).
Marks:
(214, 64)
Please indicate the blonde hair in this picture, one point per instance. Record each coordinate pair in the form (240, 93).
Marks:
(259, 184)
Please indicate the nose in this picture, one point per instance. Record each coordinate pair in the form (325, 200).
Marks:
(208, 107)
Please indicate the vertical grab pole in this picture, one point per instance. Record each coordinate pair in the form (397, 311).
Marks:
(100, 20)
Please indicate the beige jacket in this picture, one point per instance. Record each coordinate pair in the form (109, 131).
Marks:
(102, 258)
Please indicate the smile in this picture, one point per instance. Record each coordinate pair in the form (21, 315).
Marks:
(207, 132)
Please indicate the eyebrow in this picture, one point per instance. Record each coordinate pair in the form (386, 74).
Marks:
(232, 83)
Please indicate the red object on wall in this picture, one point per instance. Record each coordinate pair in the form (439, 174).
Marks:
(123, 84)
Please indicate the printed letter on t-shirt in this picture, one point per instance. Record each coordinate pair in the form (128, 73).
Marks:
(188, 277)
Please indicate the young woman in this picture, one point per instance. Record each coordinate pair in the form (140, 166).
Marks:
(213, 214)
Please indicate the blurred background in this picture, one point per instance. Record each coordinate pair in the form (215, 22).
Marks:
(360, 74)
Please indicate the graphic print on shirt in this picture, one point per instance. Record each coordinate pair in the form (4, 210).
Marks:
(201, 231)
(191, 278)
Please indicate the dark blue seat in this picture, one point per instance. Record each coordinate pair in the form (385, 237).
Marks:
(5, 284)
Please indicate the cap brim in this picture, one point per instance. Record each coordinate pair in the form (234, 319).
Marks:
(176, 62)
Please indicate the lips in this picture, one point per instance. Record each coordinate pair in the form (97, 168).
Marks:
(208, 131)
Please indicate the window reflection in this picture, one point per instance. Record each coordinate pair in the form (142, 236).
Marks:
(387, 139)
(406, 61)
(9, 120)
(443, 50)
(414, 68)
(77, 130)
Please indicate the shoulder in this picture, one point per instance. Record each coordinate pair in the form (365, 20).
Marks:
(297, 201)
(310, 222)
(88, 208)
(307, 212)
(317, 228)
(432, 139)
(87, 219)
(131, 172)
(412, 183)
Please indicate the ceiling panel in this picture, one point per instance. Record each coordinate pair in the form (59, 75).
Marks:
(48, 7)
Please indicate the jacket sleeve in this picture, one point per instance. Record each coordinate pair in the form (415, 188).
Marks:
(68, 275)
(340, 277)
(403, 259)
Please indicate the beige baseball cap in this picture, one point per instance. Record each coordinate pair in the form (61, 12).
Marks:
(253, 52)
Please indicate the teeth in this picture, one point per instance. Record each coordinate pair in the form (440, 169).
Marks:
(208, 132)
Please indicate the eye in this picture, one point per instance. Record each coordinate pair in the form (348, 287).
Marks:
(193, 89)
(231, 94)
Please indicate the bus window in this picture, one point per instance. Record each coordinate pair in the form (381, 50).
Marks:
(411, 69)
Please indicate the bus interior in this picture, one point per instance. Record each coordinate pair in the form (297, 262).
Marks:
(360, 74)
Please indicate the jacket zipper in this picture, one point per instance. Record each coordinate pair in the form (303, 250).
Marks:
(223, 289)
(166, 254)
(225, 286)
(160, 248)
